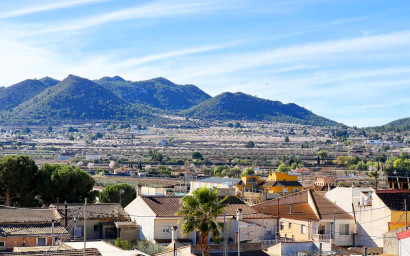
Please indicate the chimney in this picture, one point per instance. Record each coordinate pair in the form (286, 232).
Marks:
(138, 190)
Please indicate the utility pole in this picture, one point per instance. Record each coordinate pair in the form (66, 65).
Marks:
(238, 218)
(52, 232)
(225, 238)
(65, 212)
(334, 225)
(263, 222)
(85, 227)
(405, 210)
(277, 223)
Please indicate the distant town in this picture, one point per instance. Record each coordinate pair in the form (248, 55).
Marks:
(280, 188)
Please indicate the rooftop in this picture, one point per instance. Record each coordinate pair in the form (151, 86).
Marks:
(11, 215)
(220, 180)
(32, 230)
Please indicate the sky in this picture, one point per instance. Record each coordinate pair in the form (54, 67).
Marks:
(346, 60)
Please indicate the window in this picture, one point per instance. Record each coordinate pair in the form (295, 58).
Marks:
(290, 225)
(166, 228)
(344, 229)
(303, 229)
(41, 241)
(295, 190)
(285, 191)
(282, 225)
(96, 228)
(78, 231)
(2, 244)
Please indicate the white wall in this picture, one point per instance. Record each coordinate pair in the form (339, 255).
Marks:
(404, 247)
(141, 214)
(372, 223)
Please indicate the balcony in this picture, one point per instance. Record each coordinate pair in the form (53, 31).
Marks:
(321, 237)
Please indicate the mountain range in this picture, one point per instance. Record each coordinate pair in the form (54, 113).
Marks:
(77, 99)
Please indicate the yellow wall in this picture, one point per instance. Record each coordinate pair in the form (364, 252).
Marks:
(279, 189)
(281, 176)
(295, 229)
(398, 219)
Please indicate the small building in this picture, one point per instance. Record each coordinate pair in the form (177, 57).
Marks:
(92, 157)
(101, 219)
(283, 183)
(214, 182)
(21, 227)
(325, 181)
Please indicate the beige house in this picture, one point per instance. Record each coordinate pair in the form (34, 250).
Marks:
(309, 216)
(156, 217)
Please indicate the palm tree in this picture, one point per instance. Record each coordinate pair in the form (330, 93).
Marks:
(374, 174)
(199, 213)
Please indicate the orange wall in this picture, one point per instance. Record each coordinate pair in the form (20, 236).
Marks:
(12, 242)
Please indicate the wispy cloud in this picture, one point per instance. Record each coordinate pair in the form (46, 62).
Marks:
(151, 10)
(45, 7)
(177, 53)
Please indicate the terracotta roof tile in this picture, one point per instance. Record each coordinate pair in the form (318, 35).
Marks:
(163, 206)
(27, 215)
(34, 230)
(74, 252)
(97, 211)
(301, 208)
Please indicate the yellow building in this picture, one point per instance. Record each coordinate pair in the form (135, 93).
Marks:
(283, 183)
(254, 189)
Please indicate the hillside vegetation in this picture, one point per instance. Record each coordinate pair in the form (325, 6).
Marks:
(77, 99)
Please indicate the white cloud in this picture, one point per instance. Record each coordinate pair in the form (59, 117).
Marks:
(45, 7)
(152, 10)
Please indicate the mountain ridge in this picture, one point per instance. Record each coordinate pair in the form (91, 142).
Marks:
(114, 98)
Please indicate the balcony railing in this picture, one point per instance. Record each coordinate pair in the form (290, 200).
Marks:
(321, 237)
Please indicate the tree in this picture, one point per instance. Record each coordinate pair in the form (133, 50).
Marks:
(322, 154)
(283, 168)
(287, 139)
(197, 155)
(250, 144)
(117, 192)
(248, 171)
(199, 213)
(218, 171)
(374, 175)
(18, 176)
(65, 183)
(50, 129)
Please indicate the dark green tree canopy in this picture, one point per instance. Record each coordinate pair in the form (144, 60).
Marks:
(197, 155)
(250, 144)
(18, 175)
(64, 183)
(111, 194)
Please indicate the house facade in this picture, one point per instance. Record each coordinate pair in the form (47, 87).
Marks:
(309, 216)
(283, 183)
(22, 227)
(156, 217)
(101, 220)
(376, 212)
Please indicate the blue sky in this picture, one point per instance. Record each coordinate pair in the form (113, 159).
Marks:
(345, 60)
